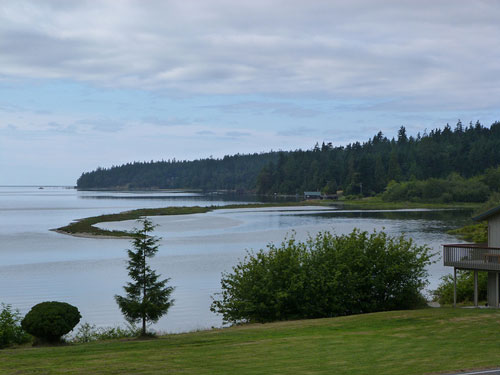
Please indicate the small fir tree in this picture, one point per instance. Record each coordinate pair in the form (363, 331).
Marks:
(148, 298)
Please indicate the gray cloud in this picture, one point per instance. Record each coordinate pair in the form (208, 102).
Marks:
(10, 108)
(42, 112)
(205, 132)
(58, 128)
(297, 131)
(427, 54)
(237, 134)
(261, 108)
(173, 121)
(101, 124)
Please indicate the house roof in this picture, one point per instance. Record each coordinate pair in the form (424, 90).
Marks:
(312, 193)
(487, 214)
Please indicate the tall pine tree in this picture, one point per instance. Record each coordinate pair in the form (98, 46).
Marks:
(148, 298)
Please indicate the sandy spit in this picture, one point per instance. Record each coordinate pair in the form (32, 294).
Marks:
(90, 235)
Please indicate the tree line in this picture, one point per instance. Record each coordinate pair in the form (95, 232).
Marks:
(235, 172)
(367, 168)
(359, 168)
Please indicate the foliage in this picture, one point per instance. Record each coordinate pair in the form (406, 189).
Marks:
(358, 168)
(477, 233)
(492, 202)
(11, 332)
(330, 188)
(49, 321)
(89, 333)
(148, 298)
(452, 189)
(327, 275)
(237, 172)
(367, 168)
(465, 288)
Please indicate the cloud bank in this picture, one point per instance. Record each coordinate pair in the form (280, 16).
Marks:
(425, 53)
(101, 82)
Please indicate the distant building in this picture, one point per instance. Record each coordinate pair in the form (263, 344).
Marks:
(312, 195)
(479, 257)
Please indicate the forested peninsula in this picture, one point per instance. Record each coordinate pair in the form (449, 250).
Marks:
(236, 172)
(450, 164)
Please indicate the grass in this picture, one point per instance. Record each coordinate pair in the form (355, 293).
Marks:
(428, 341)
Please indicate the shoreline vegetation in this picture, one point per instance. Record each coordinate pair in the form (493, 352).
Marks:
(430, 340)
(86, 228)
(476, 233)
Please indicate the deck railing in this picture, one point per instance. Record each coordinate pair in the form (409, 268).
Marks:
(472, 257)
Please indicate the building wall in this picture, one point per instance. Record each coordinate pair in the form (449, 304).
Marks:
(494, 231)
(493, 241)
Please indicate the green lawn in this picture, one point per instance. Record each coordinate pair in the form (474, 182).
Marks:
(402, 342)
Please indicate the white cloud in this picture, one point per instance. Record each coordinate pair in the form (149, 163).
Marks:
(268, 107)
(426, 53)
(291, 72)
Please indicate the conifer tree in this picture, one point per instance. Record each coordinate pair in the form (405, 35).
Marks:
(147, 298)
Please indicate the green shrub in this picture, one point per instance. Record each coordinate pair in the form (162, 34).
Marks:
(89, 332)
(11, 331)
(325, 276)
(477, 233)
(452, 189)
(49, 321)
(492, 202)
(465, 288)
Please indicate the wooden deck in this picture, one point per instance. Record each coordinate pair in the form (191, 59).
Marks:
(472, 257)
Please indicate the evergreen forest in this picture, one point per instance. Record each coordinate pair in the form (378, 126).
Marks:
(236, 172)
(449, 164)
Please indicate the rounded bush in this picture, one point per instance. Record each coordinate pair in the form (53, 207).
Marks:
(49, 321)
(325, 276)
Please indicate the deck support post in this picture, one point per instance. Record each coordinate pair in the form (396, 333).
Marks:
(493, 289)
(454, 287)
(496, 290)
(475, 289)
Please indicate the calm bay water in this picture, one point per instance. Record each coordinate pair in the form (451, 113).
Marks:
(38, 265)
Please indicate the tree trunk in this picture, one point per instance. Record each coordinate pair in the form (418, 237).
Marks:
(144, 294)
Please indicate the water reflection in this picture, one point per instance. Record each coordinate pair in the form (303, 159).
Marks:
(39, 265)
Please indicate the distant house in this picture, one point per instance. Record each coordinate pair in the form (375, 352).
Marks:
(479, 257)
(312, 195)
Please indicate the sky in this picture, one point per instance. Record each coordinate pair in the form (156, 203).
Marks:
(97, 83)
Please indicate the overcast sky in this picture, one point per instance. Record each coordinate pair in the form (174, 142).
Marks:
(99, 83)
